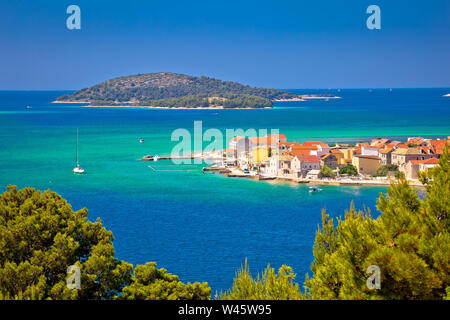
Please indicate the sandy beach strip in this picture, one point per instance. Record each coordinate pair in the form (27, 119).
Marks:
(305, 97)
(78, 102)
(308, 97)
(288, 100)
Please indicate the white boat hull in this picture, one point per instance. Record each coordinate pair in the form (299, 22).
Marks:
(78, 170)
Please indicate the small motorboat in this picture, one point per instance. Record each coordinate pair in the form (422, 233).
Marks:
(314, 189)
(141, 140)
(28, 107)
(150, 158)
(147, 158)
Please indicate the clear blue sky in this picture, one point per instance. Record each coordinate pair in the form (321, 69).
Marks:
(277, 43)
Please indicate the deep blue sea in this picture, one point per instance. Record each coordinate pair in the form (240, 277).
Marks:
(201, 226)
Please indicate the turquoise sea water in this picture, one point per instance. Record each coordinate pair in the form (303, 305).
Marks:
(200, 226)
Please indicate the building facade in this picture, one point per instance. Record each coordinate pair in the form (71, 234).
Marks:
(366, 165)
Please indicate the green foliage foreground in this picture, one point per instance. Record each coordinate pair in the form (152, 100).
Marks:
(268, 286)
(40, 236)
(409, 242)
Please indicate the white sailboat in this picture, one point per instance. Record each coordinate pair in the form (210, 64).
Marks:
(78, 169)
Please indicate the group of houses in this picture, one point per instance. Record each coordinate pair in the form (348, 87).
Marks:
(273, 155)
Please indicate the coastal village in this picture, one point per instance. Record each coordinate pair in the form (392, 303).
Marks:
(372, 163)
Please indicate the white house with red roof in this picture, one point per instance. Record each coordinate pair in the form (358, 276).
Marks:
(322, 148)
(371, 150)
(412, 168)
(301, 165)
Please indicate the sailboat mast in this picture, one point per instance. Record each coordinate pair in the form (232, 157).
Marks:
(77, 147)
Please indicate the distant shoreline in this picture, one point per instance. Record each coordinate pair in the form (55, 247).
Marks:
(236, 173)
(326, 182)
(129, 104)
(306, 97)
(56, 101)
(148, 107)
(180, 108)
(288, 100)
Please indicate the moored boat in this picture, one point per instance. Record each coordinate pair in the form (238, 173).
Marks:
(314, 189)
(77, 169)
(147, 158)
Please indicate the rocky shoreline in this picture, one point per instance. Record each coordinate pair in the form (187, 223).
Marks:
(236, 173)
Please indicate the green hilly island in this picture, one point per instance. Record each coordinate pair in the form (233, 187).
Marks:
(172, 90)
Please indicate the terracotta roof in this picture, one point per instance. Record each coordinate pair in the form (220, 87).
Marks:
(381, 141)
(326, 155)
(426, 161)
(426, 150)
(367, 157)
(300, 152)
(405, 151)
(336, 151)
(269, 139)
(280, 136)
(386, 150)
(309, 158)
(378, 146)
(362, 144)
(393, 143)
(312, 143)
(431, 161)
(305, 147)
(415, 140)
(438, 145)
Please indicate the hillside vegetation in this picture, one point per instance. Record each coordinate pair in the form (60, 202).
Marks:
(176, 90)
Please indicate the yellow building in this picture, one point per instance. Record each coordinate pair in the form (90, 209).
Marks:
(366, 165)
(348, 155)
(260, 154)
